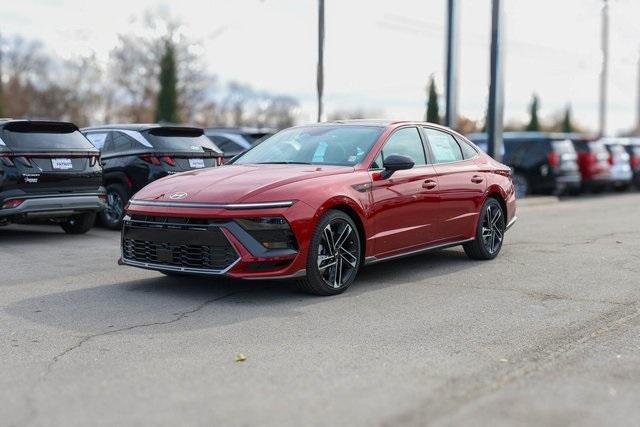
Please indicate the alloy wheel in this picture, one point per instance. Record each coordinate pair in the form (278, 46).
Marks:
(338, 253)
(115, 207)
(492, 228)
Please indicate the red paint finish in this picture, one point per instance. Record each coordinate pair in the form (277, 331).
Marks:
(415, 208)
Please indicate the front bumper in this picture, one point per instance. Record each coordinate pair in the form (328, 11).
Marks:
(55, 204)
(211, 242)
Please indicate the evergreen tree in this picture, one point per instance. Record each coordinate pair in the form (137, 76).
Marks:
(167, 104)
(433, 113)
(534, 123)
(567, 124)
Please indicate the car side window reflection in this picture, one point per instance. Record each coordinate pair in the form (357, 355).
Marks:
(468, 151)
(405, 142)
(444, 147)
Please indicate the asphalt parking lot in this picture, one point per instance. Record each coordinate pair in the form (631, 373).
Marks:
(547, 334)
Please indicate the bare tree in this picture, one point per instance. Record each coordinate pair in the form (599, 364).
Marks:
(134, 67)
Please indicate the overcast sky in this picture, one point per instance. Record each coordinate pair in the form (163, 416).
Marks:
(379, 54)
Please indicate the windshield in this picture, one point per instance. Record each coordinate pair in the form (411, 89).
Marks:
(322, 145)
(176, 139)
(41, 136)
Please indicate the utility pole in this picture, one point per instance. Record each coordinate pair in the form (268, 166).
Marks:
(638, 106)
(495, 110)
(604, 71)
(1, 88)
(320, 75)
(451, 72)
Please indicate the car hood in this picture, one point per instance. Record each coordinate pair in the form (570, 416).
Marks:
(233, 183)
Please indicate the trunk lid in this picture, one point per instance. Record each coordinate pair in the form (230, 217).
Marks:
(49, 157)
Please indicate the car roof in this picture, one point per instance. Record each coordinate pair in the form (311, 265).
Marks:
(378, 123)
(137, 127)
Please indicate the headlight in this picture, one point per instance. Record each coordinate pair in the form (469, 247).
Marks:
(273, 232)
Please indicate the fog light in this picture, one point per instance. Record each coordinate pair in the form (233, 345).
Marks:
(12, 203)
(272, 232)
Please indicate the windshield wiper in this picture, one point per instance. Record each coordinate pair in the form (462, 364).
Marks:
(282, 163)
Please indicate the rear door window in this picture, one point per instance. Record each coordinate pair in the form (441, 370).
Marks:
(43, 136)
(444, 147)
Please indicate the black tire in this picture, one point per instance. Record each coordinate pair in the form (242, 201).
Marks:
(491, 227)
(79, 224)
(332, 279)
(117, 198)
(521, 184)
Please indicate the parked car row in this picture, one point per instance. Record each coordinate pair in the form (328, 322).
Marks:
(55, 172)
(561, 163)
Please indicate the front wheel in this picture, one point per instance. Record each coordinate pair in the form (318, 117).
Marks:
(489, 233)
(79, 224)
(334, 255)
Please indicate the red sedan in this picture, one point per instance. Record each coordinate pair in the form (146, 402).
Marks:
(318, 202)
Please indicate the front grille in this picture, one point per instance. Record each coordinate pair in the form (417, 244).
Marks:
(184, 243)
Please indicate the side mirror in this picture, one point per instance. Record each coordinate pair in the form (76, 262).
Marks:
(396, 162)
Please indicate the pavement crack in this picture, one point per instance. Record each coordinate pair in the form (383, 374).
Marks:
(179, 316)
(32, 410)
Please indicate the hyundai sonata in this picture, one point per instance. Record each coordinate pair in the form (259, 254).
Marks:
(317, 202)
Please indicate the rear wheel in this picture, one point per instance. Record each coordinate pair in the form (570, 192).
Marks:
(79, 224)
(334, 255)
(489, 233)
(111, 217)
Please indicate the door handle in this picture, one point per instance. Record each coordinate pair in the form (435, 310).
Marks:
(429, 184)
(477, 179)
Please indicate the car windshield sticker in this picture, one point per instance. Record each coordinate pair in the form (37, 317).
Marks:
(137, 136)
